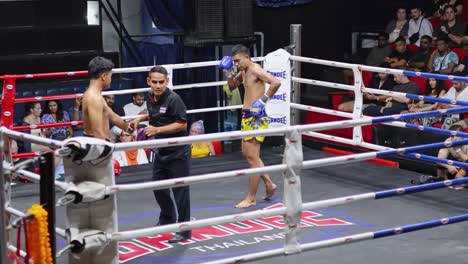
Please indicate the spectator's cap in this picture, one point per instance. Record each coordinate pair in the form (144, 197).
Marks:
(197, 127)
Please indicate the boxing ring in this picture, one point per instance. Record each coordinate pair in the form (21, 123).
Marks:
(85, 245)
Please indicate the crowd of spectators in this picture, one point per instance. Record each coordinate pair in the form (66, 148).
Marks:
(428, 39)
(53, 112)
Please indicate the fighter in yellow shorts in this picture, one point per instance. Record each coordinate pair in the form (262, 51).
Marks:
(254, 78)
(250, 122)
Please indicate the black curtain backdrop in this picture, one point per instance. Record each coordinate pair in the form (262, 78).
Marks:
(156, 54)
(326, 29)
(167, 15)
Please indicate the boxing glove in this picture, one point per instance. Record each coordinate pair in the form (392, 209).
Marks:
(226, 65)
(117, 169)
(258, 107)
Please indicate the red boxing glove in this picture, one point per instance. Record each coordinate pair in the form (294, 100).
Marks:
(117, 169)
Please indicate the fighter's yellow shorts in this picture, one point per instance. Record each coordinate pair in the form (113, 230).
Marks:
(249, 122)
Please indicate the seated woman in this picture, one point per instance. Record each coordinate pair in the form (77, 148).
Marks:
(398, 27)
(200, 149)
(32, 117)
(434, 88)
(382, 81)
(129, 157)
(53, 113)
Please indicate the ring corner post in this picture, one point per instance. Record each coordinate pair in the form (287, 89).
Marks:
(3, 202)
(8, 100)
(296, 41)
(47, 195)
(293, 158)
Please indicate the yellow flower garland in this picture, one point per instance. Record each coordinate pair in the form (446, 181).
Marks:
(38, 236)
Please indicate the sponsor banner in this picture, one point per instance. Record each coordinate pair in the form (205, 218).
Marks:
(278, 108)
(231, 237)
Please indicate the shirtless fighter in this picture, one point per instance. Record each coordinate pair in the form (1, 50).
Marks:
(253, 77)
(96, 113)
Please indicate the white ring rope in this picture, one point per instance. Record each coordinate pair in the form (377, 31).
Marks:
(323, 83)
(305, 129)
(176, 66)
(338, 113)
(36, 178)
(31, 138)
(194, 111)
(175, 87)
(61, 232)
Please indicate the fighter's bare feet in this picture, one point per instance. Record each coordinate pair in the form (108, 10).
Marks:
(246, 203)
(270, 192)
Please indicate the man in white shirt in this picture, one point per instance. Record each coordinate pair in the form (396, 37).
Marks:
(137, 106)
(418, 24)
(457, 92)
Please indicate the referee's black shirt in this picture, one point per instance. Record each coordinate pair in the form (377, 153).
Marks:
(169, 109)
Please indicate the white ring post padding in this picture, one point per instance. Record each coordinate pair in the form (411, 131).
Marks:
(31, 138)
(292, 196)
(36, 178)
(358, 103)
(13, 211)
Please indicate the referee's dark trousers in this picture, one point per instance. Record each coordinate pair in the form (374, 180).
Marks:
(175, 207)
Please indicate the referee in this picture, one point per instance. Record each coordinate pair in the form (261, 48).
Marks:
(167, 116)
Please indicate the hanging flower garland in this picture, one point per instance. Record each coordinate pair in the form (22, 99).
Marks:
(38, 236)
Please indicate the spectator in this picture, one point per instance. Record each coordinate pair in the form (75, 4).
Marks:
(114, 131)
(200, 149)
(442, 60)
(394, 104)
(400, 56)
(379, 52)
(418, 27)
(129, 157)
(32, 116)
(382, 81)
(434, 88)
(436, 8)
(457, 92)
(54, 113)
(462, 67)
(399, 26)
(452, 28)
(460, 153)
(419, 60)
(137, 106)
(110, 100)
(76, 114)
